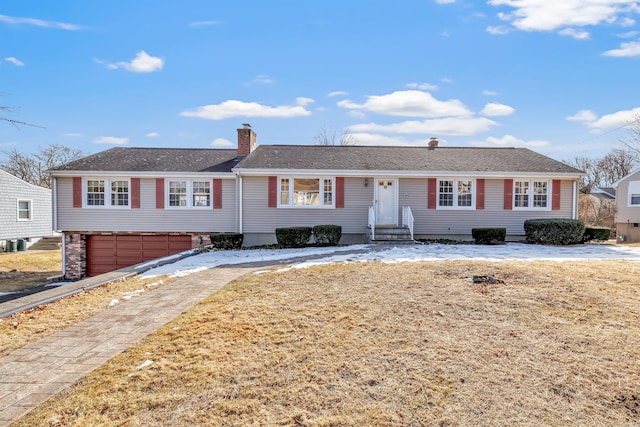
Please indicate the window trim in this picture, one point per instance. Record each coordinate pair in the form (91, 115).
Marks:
(189, 185)
(30, 210)
(107, 193)
(531, 207)
(455, 194)
(321, 192)
(633, 188)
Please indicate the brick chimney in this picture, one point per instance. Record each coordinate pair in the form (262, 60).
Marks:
(433, 142)
(246, 140)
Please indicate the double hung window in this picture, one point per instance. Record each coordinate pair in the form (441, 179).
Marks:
(455, 194)
(189, 194)
(24, 210)
(107, 193)
(531, 194)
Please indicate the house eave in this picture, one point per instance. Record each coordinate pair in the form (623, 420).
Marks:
(143, 174)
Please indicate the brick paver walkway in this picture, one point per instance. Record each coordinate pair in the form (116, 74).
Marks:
(32, 374)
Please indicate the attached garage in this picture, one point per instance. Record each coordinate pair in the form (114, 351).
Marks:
(114, 251)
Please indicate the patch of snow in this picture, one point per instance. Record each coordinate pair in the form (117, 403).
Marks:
(396, 254)
(56, 284)
(144, 364)
(114, 302)
(6, 293)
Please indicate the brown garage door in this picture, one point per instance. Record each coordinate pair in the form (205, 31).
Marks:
(112, 252)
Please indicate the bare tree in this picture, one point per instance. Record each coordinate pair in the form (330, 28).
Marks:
(328, 136)
(604, 171)
(632, 141)
(33, 167)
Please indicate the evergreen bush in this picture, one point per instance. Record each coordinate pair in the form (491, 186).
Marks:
(226, 240)
(327, 235)
(484, 236)
(554, 231)
(293, 237)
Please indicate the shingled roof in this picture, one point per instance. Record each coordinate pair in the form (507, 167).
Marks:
(444, 159)
(129, 159)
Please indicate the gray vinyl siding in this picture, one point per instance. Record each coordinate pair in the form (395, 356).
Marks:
(147, 218)
(259, 218)
(440, 222)
(627, 213)
(13, 189)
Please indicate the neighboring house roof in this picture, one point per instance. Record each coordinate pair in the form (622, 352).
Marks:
(129, 159)
(604, 192)
(12, 177)
(377, 158)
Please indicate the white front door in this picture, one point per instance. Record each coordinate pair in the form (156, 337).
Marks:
(386, 202)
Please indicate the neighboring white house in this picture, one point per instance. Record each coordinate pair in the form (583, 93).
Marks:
(25, 210)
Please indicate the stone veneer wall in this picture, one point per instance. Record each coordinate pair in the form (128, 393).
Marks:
(75, 255)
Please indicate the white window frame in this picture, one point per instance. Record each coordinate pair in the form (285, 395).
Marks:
(108, 193)
(29, 210)
(286, 199)
(634, 190)
(530, 196)
(189, 194)
(456, 185)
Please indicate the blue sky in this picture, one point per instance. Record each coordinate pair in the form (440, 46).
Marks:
(559, 77)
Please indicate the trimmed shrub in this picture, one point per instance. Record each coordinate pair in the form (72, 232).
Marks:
(596, 233)
(293, 237)
(554, 231)
(226, 240)
(484, 236)
(327, 235)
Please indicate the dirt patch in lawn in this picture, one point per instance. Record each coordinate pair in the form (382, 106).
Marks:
(406, 344)
(21, 270)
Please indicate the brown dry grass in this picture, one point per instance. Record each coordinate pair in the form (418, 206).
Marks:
(25, 327)
(19, 270)
(375, 344)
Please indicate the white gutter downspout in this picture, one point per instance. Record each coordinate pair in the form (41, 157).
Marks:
(240, 194)
(574, 201)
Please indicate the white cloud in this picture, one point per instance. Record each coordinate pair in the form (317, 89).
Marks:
(73, 134)
(510, 141)
(422, 86)
(112, 140)
(583, 116)
(629, 34)
(234, 108)
(498, 31)
(142, 63)
(608, 121)
(39, 23)
(302, 101)
(627, 22)
(626, 49)
(538, 15)
(446, 80)
(409, 103)
(152, 135)
(459, 126)
(261, 79)
(494, 109)
(489, 92)
(14, 61)
(576, 34)
(204, 23)
(445, 1)
(356, 114)
(221, 142)
(337, 93)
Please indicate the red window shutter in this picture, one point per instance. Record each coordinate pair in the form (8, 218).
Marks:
(159, 193)
(217, 194)
(77, 192)
(273, 191)
(479, 193)
(339, 192)
(431, 193)
(508, 194)
(555, 194)
(135, 193)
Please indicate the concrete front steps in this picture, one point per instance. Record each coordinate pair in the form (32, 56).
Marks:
(49, 243)
(391, 235)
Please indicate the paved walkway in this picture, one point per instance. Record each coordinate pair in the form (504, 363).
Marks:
(32, 374)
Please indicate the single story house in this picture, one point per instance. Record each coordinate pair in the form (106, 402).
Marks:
(25, 211)
(627, 196)
(127, 205)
